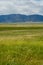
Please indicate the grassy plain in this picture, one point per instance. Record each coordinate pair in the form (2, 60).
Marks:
(21, 44)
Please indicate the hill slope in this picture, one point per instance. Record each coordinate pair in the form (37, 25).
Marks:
(20, 18)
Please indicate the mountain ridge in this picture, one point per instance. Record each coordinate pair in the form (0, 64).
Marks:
(12, 18)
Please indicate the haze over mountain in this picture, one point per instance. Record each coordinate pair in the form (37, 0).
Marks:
(21, 11)
(12, 18)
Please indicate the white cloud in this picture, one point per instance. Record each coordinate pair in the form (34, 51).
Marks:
(27, 7)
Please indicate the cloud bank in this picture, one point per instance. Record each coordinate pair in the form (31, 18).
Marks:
(27, 7)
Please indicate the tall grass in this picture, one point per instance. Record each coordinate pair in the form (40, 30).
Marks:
(21, 46)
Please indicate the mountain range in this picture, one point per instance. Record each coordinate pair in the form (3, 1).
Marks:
(12, 18)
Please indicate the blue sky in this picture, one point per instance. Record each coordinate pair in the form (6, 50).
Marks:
(27, 7)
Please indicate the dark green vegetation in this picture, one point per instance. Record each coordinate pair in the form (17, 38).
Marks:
(21, 45)
(19, 28)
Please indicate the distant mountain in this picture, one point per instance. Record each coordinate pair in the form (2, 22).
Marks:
(20, 18)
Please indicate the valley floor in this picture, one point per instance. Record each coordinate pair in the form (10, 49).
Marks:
(21, 45)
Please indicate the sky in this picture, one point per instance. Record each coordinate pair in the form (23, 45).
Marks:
(27, 7)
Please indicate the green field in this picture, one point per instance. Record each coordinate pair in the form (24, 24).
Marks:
(21, 44)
